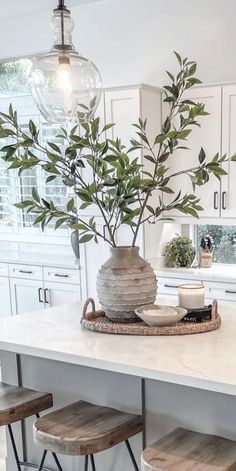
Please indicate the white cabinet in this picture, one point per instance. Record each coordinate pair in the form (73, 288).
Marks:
(207, 136)
(228, 196)
(26, 295)
(222, 291)
(58, 293)
(32, 287)
(5, 297)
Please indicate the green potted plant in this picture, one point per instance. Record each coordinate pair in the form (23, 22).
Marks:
(179, 252)
(120, 187)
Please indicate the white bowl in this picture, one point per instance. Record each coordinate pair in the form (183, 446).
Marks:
(157, 315)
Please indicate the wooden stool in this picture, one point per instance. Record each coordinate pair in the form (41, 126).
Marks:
(85, 429)
(183, 450)
(17, 403)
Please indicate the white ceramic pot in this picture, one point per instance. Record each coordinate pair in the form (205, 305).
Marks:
(124, 283)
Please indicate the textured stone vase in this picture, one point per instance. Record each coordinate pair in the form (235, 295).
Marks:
(124, 283)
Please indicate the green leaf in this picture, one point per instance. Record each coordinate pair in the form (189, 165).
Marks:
(201, 156)
(149, 158)
(192, 69)
(178, 58)
(35, 195)
(54, 147)
(108, 126)
(86, 238)
(184, 134)
(24, 204)
(70, 205)
(59, 222)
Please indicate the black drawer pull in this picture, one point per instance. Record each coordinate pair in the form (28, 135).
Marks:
(61, 276)
(216, 199)
(171, 286)
(229, 291)
(39, 294)
(224, 200)
(27, 272)
(45, 296)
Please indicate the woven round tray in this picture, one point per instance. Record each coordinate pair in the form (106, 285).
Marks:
(97, 321)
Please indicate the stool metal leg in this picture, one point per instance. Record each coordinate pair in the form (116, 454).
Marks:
(86, 463)
(57, 462)
(131, 455)
(92, 463)
(42, 460)
(16, 456)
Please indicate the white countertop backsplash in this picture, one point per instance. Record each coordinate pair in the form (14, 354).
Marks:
(55, 256)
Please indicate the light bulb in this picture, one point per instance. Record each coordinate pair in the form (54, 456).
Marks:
(64, 75)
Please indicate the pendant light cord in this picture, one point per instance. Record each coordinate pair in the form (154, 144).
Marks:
(61, 5)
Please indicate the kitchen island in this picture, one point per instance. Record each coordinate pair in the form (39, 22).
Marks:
(189, 380)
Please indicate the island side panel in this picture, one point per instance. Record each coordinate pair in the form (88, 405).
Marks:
(169, 406)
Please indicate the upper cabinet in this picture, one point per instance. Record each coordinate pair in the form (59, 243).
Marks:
(228, 195)
(207, 136)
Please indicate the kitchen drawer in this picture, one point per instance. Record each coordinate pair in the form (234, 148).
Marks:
(4, 269)
(32, 272)
(170, 285)
(220, 291)
(61, 275)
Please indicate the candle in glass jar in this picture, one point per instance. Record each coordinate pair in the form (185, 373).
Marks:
(191, 296)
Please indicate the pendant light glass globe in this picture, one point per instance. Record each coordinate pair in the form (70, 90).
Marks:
(65, 85)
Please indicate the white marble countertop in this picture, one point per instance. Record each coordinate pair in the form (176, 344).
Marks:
(206, 361)
(223, 273)
(39, 258)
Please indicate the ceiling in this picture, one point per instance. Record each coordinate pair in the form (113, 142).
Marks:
(15, 8)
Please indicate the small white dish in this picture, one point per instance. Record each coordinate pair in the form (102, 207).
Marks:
(157, 315)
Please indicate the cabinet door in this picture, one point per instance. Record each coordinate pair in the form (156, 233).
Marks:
(207, 136)
(5, 297)
(228, 195)
(122, 107)
(26, 295)
(59, 293)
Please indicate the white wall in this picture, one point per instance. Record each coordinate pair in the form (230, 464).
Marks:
(132, 40)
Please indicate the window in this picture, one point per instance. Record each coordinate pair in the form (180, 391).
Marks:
(14, 88)
(224, 242)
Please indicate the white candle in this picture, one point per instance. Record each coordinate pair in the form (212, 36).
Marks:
(191, 296)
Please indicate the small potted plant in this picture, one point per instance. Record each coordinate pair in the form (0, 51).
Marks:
(207, 244)
(179, 252)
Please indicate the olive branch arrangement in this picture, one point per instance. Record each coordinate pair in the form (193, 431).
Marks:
(120, 186)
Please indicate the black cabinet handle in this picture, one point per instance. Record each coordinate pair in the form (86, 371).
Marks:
(224, 200)
(216, 199)
(61, 276)
(229, 291)
(171, 286)
(45, 296)
(39, 295)
(28, 272)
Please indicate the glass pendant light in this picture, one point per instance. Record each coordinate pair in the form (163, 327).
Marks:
(65, 85)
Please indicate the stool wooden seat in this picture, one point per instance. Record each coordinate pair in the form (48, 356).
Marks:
(182, 450)
(17, 403)
(84, 429)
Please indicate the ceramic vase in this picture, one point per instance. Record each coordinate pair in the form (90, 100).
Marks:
(124, 283)
(75, 242)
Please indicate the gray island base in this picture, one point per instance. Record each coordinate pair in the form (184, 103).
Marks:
(190, 381)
